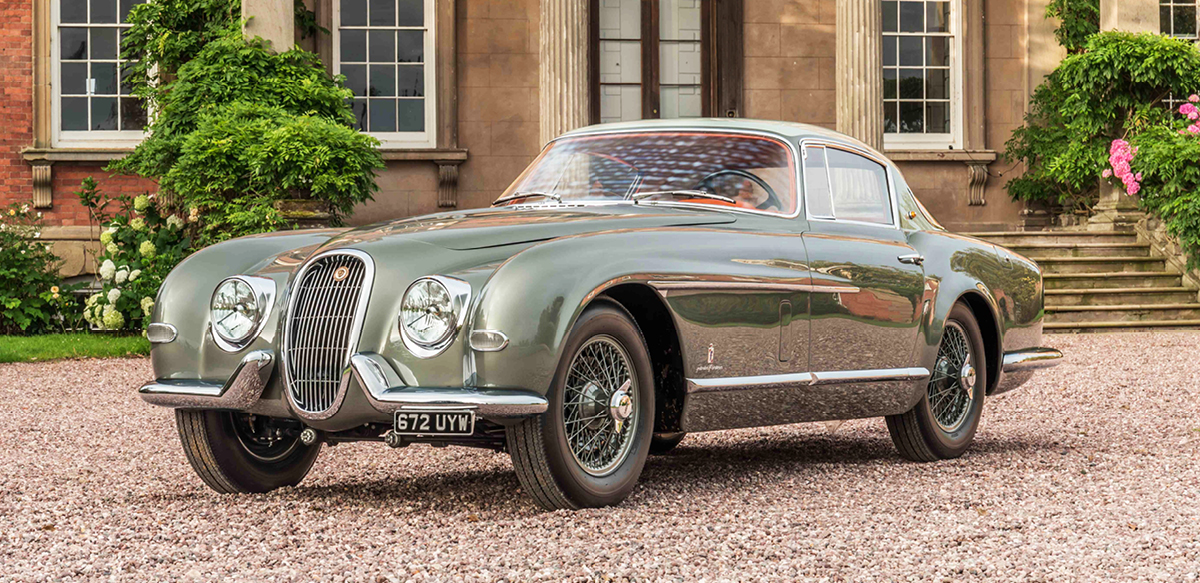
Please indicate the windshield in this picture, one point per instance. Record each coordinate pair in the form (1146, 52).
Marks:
(749, 172)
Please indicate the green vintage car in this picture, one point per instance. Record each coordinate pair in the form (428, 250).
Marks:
(636, 283)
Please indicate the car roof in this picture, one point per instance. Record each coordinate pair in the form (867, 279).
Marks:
(789, 130)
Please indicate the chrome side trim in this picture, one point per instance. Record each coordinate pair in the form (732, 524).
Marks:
(806, 379)
(387, 393)
(752, 286)
(754, 382)
(1031, 359)
(870, 376)
(264, 291)
(240, 392)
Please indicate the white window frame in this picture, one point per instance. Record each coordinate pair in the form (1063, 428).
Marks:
(402, 140)
(954, 139)
(1170, 26)
(99, 139)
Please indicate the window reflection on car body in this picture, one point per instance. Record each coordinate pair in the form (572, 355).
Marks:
(557, 197)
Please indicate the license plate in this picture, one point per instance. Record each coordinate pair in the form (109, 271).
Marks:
(435, 422)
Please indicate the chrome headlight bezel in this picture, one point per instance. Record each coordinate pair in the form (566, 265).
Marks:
(459, 293)
(263, 290)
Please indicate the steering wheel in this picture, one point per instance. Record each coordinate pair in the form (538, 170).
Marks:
(772, 199)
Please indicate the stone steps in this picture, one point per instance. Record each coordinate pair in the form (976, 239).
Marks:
(1104, 281)
(1119, 296)
(1125, 313)
(1070, 265)
(1018, 238)
(1119, 279)
(1038, 251)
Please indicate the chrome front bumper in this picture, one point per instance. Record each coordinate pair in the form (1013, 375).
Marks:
(382, 387)
(1020, 365)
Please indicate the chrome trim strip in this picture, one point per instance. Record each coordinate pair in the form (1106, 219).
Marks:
(240, 392)
(752, 286)
(871, 376)
(264, 291)
(387, 393)
(754, 382)
(170, 332)
(1032, 359)
(806, 379)
(460, 302)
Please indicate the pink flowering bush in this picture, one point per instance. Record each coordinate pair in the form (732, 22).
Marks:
(1160, 162)
(1120, 158)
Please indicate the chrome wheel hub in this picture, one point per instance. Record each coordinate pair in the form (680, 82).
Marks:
(966, 377)
(952, 387)
(600, 406)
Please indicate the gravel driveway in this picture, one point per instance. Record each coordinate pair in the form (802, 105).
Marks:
(1088, 472)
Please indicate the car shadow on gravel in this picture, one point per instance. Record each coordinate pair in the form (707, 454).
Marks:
(704, 463)
(702, 466)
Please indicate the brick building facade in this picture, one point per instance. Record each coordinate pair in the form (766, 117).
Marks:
(459, 106)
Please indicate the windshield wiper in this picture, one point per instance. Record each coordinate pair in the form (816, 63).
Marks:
(687, 193)
(518, 196)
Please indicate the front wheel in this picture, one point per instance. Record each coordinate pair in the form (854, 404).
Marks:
(589, 447)
(942, 425)
(240, 453)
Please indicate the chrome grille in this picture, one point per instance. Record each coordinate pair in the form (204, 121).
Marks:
(323, 324)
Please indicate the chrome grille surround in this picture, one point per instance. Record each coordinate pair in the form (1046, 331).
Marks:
(323, 324)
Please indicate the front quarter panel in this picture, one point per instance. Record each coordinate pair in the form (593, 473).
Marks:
(184, 298)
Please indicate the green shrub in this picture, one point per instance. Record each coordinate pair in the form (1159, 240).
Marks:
(33, 298)
(1078, 19)
(140, 246)
(238, 126)
(244, 154)
(1092, 98)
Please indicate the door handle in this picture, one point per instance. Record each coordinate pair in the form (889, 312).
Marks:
(914, 259)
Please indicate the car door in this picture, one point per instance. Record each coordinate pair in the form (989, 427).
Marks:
(868, 282)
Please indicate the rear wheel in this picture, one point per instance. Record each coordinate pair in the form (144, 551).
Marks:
(241, 453)
(589, 447)
(942, 425)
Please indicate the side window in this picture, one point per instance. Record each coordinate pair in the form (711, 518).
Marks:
(817, 194)
(860, 188)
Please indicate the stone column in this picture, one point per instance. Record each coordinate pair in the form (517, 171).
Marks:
(563, 71)
(1117, 211)
(860, 70)
(273, 20)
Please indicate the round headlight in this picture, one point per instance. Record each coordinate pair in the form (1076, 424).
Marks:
(427, 314)
(235, 311)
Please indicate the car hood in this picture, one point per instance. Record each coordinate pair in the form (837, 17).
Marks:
(484, 228)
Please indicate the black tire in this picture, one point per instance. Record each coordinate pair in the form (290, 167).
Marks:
(663, 443)
(917, 434)
(220, 456)
(542, 458)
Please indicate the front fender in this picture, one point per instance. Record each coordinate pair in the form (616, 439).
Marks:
(184, 297)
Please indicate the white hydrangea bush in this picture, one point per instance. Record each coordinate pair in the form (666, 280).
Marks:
(139, 247)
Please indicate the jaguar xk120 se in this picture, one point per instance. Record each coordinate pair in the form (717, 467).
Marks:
(636, 283)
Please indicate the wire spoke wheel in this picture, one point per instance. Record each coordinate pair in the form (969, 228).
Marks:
(599, 405)
(260, 441)
(952, 387)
